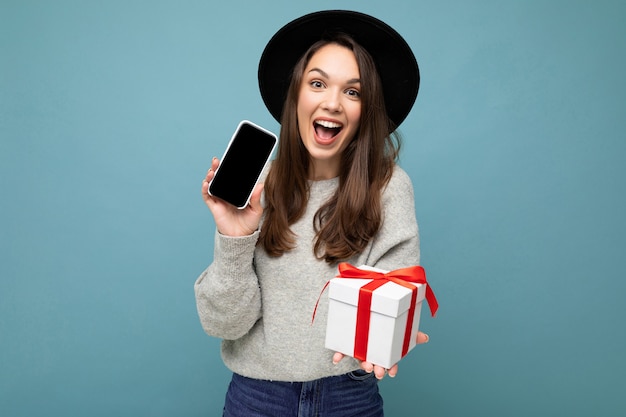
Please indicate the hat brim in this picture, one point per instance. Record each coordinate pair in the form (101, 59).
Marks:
(394, 59)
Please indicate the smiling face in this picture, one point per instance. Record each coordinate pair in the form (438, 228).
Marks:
(329, 108)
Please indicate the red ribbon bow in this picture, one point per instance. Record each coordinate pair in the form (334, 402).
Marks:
(402, 276)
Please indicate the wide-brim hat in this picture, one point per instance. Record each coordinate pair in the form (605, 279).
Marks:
(392, 55)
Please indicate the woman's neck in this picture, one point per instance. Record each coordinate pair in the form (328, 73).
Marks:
(322, 170)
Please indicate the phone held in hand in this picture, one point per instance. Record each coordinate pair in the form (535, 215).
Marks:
(246, 155)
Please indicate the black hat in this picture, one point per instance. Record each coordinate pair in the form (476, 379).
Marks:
(393, 57)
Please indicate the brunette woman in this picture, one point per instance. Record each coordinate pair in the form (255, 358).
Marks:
(340, 83)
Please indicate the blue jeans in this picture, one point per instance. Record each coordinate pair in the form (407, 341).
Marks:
(352, 394)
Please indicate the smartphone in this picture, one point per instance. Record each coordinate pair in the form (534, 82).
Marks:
(246, 155)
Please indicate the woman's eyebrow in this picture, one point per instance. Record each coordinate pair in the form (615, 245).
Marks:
(325, 75)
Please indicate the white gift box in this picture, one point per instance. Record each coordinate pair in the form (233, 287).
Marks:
(388, 319)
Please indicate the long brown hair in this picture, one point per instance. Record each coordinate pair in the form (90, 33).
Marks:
(346, 223)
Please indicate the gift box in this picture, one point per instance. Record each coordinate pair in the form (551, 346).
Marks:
(373, 315)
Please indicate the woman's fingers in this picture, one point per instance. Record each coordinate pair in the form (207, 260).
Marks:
(393, 371)
(207, 179)
(337, 357)
(255, 198)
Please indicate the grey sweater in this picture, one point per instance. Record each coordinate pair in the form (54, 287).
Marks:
(262, 307)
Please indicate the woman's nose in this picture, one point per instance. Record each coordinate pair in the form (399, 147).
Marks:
(332, 102)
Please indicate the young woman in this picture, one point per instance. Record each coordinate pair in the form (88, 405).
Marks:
(340, 83)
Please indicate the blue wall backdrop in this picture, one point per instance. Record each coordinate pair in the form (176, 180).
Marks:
(111, 110)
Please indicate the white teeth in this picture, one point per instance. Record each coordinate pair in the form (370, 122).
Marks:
(327, 124)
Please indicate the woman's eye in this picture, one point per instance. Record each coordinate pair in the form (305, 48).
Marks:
(316, 84)
(354, 93)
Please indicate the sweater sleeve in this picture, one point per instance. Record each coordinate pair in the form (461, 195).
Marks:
(397, 244)
(228, 297)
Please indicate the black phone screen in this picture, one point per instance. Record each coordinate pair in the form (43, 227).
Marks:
(242, 164)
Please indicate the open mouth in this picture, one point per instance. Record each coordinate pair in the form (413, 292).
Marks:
(327, 130)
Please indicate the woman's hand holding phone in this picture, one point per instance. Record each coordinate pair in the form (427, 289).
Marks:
(230, 220)
(230, 188)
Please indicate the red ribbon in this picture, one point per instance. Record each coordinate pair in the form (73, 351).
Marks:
(404, 277)
(414, 274)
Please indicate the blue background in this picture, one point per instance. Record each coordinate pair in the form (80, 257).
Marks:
(110, 112)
